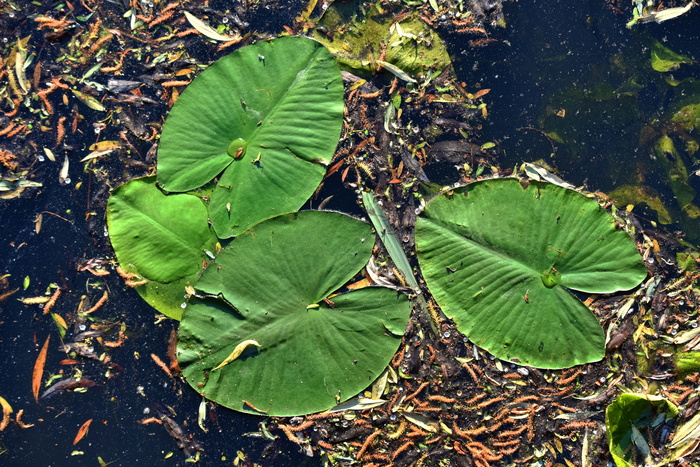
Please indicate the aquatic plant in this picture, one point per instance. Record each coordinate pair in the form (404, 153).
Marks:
(152, 238)
(498, 257)
(407, 48)
(265, 120)
(286, 343)
(268, 116)
(629, 421)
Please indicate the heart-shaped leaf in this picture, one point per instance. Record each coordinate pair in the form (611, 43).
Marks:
(164, 237)
(306, 353)
(269, 116)
(498, 258)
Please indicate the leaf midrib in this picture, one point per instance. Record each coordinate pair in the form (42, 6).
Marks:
(263, 127)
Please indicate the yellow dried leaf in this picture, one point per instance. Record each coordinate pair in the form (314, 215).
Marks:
(104, 145)
(421, 421)
(34, 300)
(207, 30)
(237, 352)
(89, 100)
(49, 154)
(6, 411)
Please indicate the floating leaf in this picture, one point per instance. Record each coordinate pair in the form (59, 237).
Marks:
(39, 368)
(314, 353)
(358, 403)
(88, 100)
(421, 421)
(396, 71)
(149, 230)
(628, 421)
(6, 411)
(82, 431)
(269, 117)
(207, 30)
(498, 258)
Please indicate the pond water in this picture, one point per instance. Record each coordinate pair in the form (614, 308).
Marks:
(574, 69)
(552, 56)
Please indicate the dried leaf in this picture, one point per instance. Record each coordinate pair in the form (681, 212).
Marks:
(96, 154)
(60, 323)
(237, 352)
(49, 154)
(6, 411)
(104, 145)
(34, 300)
(63, 174)
(687, 433)
(39, 369)
(82, 431)
(481, 92)
(206, 30)
(396, 71)
(670, 13)
(202, 414)
(357, 403)
(89, 100)
(421, 421)
(19, 59)
(379, 385)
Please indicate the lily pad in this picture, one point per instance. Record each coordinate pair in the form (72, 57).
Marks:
(268, 116)
(148, 230)
(166, 297)
(309, 353)
(499, 258)
(628, 421)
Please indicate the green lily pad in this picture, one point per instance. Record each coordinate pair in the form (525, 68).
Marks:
(498, 259)
(300, 354)
(269, 116)
(148, 230)
(628, 421)
(166, 297)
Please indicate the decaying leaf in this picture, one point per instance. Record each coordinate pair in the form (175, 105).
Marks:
(237, 352)
(686, 436)
(202, 414)
(421, 421)
(89, 100)
(39, 369)
(6, 411)
(63, 174)
(82, 431)
(49, 154)
(396, 71)
(358, 403)
(207, 30)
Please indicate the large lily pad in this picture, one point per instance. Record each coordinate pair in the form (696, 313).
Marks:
(307, 354)
(498, 259)
(162, 237)
(269, 117)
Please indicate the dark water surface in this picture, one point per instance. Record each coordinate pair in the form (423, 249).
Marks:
(551, 47)
(557, 56)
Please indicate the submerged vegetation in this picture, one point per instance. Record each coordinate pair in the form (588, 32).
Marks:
(299, 317)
